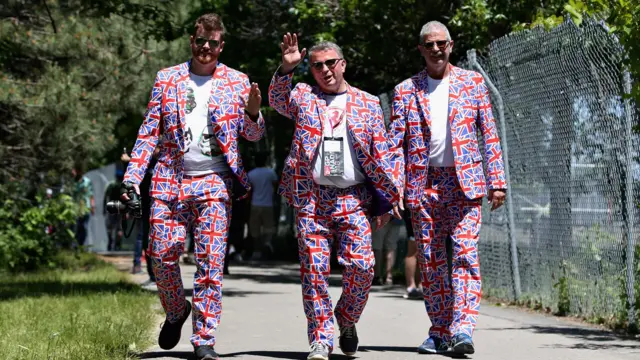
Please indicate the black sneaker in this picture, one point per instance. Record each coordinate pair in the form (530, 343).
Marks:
(206, 352)
(348, 340)
(413, 294)
(170, 333)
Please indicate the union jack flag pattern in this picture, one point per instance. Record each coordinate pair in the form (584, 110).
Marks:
(324, 212)
(340, 214)
(469, 108)
(203, 208)
(452, 304)
(365, 125)
(199, 204)
(447, 201)
(165, 116)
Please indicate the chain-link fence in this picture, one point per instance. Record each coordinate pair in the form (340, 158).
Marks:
(566, 238)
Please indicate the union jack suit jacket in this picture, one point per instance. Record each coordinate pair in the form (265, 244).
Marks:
(365, 125)
(165, 116)
(469, 108)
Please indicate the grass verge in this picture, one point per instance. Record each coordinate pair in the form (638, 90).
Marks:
(89, 310)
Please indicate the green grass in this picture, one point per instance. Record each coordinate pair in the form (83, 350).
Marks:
(91, 312)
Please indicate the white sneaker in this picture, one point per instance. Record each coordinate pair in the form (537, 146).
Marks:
(318, 351)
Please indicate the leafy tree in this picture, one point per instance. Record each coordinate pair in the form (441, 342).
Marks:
(76, 74)
(70, 71)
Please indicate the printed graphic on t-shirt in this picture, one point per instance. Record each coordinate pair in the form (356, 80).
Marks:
(335, 114)
(207, 142)
(191, 100)
(188, 137)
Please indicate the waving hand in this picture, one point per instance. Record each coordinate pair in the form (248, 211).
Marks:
(291, 55)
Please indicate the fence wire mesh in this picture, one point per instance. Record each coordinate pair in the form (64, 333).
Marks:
(574, 172)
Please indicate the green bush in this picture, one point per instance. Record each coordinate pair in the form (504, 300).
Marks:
(33, 232)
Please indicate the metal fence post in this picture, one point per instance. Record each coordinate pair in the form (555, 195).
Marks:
(473, 61)
(629, 116)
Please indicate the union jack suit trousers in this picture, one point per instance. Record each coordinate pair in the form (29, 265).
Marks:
(452, 303)
(203, 207)
(334, 213)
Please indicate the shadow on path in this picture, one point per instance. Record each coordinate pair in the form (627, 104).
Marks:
(280, 355)
(405, 349)
(188, 355)
(168, 354)
(591, 339)
(229, 292)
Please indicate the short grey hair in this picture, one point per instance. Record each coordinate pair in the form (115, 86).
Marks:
(432, 26)
(326, 45)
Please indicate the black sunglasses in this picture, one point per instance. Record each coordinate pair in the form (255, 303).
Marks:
(442, 44)
(330, 64)
(212, 43)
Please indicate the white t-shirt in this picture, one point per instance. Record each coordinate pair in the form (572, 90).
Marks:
(353, 174)
(441, 152)
(203, 155)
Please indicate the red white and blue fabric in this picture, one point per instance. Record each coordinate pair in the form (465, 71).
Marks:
(446, 202)
(452, 303)
(340, 214)
(202, 208)
(327, 213)
(165, 116)
(469, 109)
(365, 126)
(181, 203)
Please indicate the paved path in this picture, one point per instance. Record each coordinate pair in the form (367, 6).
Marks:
(263, 319)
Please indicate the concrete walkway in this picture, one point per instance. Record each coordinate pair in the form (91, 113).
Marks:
(263, 319)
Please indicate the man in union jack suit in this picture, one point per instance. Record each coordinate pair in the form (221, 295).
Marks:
(201, 107)
(336, 177)
(433, 134)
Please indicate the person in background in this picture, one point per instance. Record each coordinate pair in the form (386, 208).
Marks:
(237, 247)
(410, 262)
(263, 180)
(83, 195)
(115, 233)
(385, 244)
(142, 240)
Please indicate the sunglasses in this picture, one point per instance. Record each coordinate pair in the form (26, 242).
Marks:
(212, 43)
(442, 44)
(330, 64)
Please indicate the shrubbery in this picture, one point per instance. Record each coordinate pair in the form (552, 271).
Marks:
(32, 232)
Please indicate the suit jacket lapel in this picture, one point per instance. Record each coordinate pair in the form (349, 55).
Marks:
(351, 112)
(218, 89)
(321, 108)
(181, 101)
(219, 82)
(422, 95)
(454, 94)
